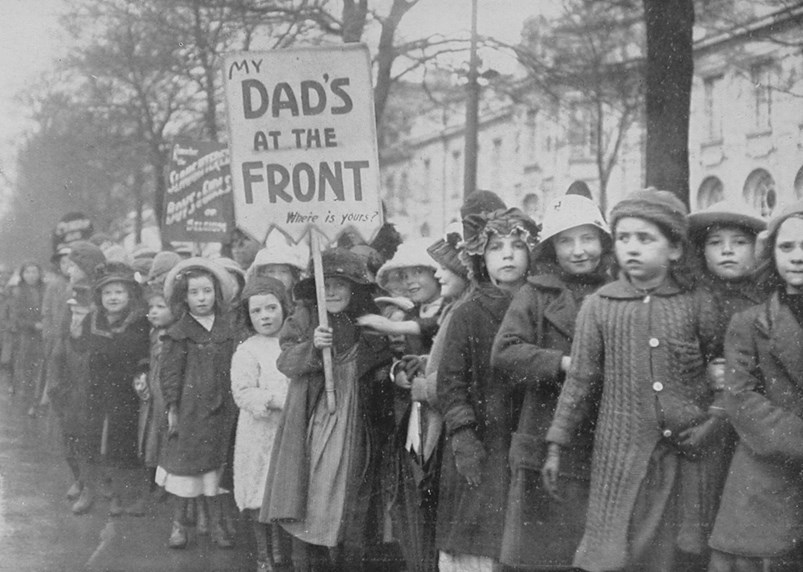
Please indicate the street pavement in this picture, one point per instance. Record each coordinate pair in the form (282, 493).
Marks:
(39, 533)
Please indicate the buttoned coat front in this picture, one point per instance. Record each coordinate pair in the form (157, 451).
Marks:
(761, 513)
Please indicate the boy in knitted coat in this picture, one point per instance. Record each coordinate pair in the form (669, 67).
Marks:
(641, 344)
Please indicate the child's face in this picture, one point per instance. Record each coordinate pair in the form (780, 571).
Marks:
(159, 314)
(201, 295)
(643, 251)
(338, 294)
(74, 271)
(281, 272)
(730, 252)
(266, 314)
(507, 259)
(64, 265)
(420, 283)
(452, 284)
(30, 274)
(578, 250)
(789, 254)
(114, 297)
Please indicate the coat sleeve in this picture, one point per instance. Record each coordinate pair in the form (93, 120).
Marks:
(454, 374)
(172, 364)
(584, 377)
(765, 427)
(299, 356)
(515, 350)
(245, 372)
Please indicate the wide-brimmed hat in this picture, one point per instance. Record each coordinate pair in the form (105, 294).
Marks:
(113, 271)
(409, 255)
(337, 263)
(446, 252)
(224, 279)
(570, 211)
(724, 213)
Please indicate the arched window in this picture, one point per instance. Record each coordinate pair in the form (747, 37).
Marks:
(711, 191)
(798, 186)
(760, 193)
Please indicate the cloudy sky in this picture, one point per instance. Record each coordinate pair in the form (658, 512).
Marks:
(31, 43)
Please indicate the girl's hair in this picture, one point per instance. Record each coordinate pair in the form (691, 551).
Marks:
(244, 311)
(178, 299)
(685, 271)
(698, 245)
(766, 273)
(135, 298)
(30, 263)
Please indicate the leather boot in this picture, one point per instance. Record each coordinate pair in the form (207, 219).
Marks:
(178, 536)
(220, 535)
(84, 502)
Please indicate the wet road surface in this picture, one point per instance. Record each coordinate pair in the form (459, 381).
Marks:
(39, 533)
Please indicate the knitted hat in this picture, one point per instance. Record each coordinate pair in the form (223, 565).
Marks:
(724, 213)
(409, 255)
(113, 272)
(224, 279)
(337, 263)
(87, 257)
(446, 253)
(477, 203)
(163, 262)
(659, 207)
(263, 285)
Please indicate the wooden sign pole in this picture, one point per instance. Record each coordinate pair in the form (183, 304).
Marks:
(323, 320)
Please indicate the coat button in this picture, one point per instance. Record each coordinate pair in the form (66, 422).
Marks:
(654, 343)
(658, 386)
(667, 433)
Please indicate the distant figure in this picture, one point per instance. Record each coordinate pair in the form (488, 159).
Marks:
(579, 188)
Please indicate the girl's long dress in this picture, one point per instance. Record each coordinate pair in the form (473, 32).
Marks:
(336, 443)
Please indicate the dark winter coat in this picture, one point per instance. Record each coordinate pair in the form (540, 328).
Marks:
(472, 395)
(286, 488)
(730, 298)
(68, 383)
(761, 512)
(196, 376)
(534, 337)
(26, 311)
(116, 355)
(645, 356)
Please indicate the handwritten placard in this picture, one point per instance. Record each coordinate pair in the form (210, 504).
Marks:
(303, 141)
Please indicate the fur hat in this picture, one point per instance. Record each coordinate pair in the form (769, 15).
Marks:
(659, 207)
(724, 213)
(224, 279)
(163, 262)
(263, 285)
(570, 211)
(87, 257)
(337, 263)
(409, 255)
(446, 253)
(113, 271)
(477, 203)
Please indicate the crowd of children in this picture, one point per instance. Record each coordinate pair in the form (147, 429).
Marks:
(620, 395)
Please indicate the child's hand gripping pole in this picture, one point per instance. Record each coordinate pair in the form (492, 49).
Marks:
(320, 296)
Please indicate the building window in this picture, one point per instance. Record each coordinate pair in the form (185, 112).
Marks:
(760, 193)
(457, 174)
(761, 76)
(496, 160)
(582, 132)
(711, 191)
(713, 108)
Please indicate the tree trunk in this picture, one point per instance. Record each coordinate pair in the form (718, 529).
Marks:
(669, 70)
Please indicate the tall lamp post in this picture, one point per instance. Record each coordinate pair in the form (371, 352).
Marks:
(472, 111)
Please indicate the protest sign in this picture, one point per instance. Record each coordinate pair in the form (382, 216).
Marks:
(302, 135)
(303, 141)
(198, 202)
